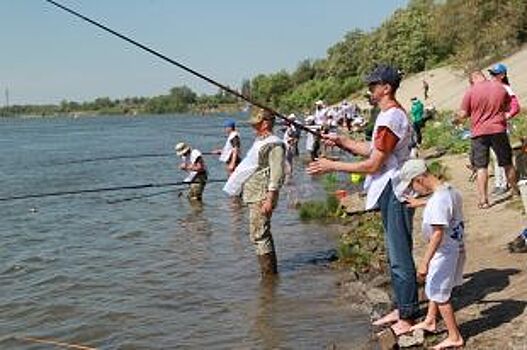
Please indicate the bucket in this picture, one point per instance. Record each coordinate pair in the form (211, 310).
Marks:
(522, 185)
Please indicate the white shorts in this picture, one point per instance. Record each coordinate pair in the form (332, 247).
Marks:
(444, 273)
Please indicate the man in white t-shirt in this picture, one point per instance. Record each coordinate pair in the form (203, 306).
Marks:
(383, 158)
(444, 258)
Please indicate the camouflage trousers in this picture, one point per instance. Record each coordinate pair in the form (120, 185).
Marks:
(260, 230)
(196, 189)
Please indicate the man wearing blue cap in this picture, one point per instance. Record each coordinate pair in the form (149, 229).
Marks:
(382, 161)
(498, 72)
(230, 153)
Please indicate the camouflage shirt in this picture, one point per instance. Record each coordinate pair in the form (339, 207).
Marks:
(269, 176)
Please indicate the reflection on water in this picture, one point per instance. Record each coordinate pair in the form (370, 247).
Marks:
(155, 272)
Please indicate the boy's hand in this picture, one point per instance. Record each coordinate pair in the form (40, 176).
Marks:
(412, 202)
(422, 271)
(183, 166)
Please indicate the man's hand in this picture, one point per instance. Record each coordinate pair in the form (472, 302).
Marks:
(267, 203)
(320, 166)
(331, 140)
(183, 166)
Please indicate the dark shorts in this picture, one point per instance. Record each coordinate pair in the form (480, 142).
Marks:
(500, 145)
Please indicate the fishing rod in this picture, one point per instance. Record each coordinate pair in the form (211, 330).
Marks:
(130, 156)
(104, 189)
(185, 68)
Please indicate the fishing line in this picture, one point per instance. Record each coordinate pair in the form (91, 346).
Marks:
(138, 197)
(129, 156)
(184, 67)
(103, 189)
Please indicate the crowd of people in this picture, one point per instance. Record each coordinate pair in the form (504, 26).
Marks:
(396, 182)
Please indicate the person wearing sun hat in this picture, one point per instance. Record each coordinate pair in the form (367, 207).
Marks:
(381, 162)
(194, 164)
(259, 178)
(442, 264)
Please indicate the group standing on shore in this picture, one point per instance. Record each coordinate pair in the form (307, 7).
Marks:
(393, 180)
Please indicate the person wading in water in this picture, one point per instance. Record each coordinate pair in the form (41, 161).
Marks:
(384, 157)
(230, 154)
(194, 164)
(260, 175)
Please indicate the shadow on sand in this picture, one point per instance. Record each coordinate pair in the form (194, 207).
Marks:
(474, 291)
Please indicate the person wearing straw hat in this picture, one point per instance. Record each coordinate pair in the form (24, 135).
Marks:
(194, 164)
(442, 264)
(259, 178)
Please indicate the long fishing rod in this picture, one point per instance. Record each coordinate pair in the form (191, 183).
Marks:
(103, 189)
(127, 156)
(184, 67)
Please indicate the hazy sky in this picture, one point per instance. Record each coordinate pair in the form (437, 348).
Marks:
(47, 55)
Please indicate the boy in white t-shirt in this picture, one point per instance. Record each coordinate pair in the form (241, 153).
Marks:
(442, 264)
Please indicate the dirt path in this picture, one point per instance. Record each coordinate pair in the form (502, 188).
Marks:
(492, 303)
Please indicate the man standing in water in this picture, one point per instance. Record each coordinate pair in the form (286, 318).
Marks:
(384, 157)
(260, 175)
(194, 164)
(230, 154)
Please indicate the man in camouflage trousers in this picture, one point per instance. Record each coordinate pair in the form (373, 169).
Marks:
(260, 190)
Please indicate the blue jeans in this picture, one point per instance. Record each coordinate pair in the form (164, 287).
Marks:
(397, 221)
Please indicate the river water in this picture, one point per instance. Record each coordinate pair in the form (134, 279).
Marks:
(155, 272)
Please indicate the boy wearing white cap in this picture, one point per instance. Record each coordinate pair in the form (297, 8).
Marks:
(442, 264)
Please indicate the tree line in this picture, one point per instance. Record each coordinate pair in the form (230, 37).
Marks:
(179, 99)
(423, 35)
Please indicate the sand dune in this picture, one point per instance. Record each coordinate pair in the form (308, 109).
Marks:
(448, 85)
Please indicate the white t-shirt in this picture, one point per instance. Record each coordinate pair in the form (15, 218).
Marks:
(445, 208)
(321, 116)
(191, 159)
(396, 120)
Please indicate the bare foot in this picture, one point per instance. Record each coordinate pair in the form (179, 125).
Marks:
(427, 325)
(388, 318)
(401, 327)
(450, 343)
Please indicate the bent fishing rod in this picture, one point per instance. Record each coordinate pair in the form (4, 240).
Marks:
(104, 189)
(185, 68)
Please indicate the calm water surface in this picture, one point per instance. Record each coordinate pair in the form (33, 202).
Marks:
(157, 272)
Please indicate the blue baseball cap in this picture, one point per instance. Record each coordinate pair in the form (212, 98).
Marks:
(498, 68)
(229, 123)
(384, 73)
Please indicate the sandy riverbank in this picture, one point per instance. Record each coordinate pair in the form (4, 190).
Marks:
(492, 302)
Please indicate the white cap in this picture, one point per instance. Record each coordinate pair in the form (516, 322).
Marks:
(319, 102)
(181, 148)
(291, 116)
(410, 170)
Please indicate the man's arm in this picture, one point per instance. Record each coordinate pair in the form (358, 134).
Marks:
(359, 148)
(276, 166)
